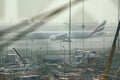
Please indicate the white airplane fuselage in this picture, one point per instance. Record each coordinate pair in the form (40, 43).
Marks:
(60, 34)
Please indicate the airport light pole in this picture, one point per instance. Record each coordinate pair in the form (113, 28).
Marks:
(31, 55)
(41, 54)
(64, 53)
(70, 25)
(64, 61)
(47, 46)
(40, 49)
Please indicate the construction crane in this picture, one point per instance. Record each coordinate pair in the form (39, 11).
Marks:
(21, 58)
(110, 58)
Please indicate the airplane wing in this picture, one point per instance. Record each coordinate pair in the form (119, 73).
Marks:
(98, 30)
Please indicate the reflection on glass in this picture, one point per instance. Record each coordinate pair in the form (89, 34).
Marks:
(65, 40)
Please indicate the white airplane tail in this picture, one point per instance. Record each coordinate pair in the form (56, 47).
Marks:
(98, 29)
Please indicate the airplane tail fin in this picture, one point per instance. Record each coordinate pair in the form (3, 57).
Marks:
(98, 29)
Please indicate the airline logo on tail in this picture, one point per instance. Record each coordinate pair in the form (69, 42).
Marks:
(99, 28)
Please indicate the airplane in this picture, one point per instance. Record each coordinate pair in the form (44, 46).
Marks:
(64, 35)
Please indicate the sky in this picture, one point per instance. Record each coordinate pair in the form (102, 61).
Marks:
(95, 11)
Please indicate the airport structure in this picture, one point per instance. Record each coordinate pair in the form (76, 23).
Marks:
(59, 40)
